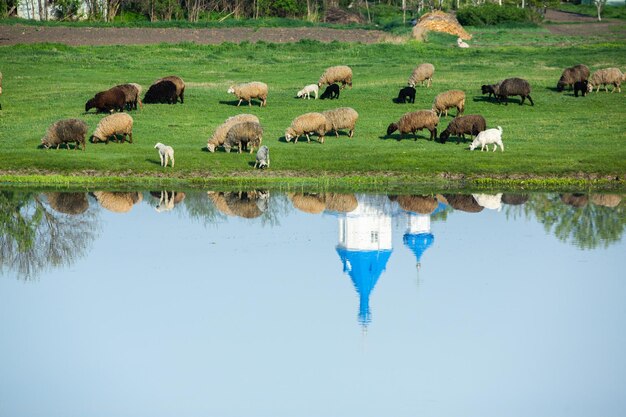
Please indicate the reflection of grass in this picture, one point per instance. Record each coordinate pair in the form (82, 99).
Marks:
(560, 136)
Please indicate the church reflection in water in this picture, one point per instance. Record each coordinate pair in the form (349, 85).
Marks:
(365, 239)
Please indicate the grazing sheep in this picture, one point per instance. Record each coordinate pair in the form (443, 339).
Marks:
(180, 86)
(423, 72)
(582, 87)
(65, 131)
(117, 202)
(487, 137)
(115, 124)
(139, 91)
(161, 92)
(219, 136)
(307, 90)
(447, 100)
(339, 73)
(406, 93)
(604, 77)
(570, 75)
(242, 135)
(306, 124)
(341, 118)
(490, 88)
(489, 201)
(262, 157)
(331, 92)
(107, 101)
(165, 153)
(131, 93)
(461, 44)
(471, 124)
(414, 121)
(248, 91)
(513, 87)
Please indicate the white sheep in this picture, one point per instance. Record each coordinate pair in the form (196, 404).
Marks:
(487, 137)
(461, 44)
(489, 201)
(219, 136)
(306, 124)
(337, 74)
(248, 91)
(115, 124)
(307, 90)
(165, 153)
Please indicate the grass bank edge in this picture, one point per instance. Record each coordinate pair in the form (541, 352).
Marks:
(378, 183)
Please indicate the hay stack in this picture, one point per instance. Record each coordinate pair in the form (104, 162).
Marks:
(340, 16)
(439, 21)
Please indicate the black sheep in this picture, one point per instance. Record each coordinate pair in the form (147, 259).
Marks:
(161, 92)
(407, 93)
(106, 101)
(331, 92)
(489, 89)
(513, 87)
(582, 86)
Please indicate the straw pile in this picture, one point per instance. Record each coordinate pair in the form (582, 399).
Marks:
(439, 21)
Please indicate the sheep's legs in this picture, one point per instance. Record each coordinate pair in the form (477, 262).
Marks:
(531, 100)
(240, 100)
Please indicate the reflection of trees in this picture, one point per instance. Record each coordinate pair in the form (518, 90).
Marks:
(33, 236)
(571, 218)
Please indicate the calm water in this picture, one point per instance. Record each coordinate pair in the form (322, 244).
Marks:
(267, 304)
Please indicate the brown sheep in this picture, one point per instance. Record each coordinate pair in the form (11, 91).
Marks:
(180, 86)
(107, 101)
(414, 121)
(471, 124)
(513, 87)
(570, 75)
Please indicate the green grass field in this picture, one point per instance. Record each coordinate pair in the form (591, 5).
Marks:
(560, 137)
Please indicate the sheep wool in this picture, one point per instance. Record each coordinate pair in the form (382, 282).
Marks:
(219, 136)
(449, 99)
(180, 86)
(341, 118)
(421, 73)
(242, 135)
(604, 77)
(339, 73)
(415, 121)
(115, 124)
(248, 91)
(65, 131)
(306, 124)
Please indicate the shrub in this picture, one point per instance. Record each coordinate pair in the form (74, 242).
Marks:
(492, 14)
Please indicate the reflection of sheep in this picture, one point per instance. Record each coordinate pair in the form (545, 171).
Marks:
(165, 153)
(306, 124)
(307, 90)
(331, 92)
(262, 158)
(219, 136)
(161, 92)
(513, 87)
(65, 131)
(414, 121)
(246, 204)
(115, 124)
(471, 124)
(131, 93)
(423, 72)
(488, 201)
(604, 77)
(406, 94)
(487, 137)
(575, 200)
(244, 135)
(167, 200)
(417, 203)
(514, 199)
(68, 203)
(180, 86)
(341, 118)
(339, 73)
(606, 200)
(308, 203)
(117, 202)
(447, 100)
(248, 91)
(463, 202)
(344, 203)
(107, 101)
(570, 75)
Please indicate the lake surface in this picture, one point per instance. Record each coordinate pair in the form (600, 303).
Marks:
(267, 304)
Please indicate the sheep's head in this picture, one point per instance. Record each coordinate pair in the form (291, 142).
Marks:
(210, 147)
(473, 145)
(289, 134)
(231, 89)
(45, 142)
(443, 137)
(589, 87)
(90, 105)
(486, 89)
(392, 128)
(158, 145)
(560, 86)
(300, 93)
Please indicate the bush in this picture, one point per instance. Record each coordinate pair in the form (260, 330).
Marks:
(492, 14)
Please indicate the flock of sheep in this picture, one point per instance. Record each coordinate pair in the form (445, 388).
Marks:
(244, 131)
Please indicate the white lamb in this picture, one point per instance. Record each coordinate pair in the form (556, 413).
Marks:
(311, 88)
(461, 44)
(165, 153)
(487, 137)
(489, 201)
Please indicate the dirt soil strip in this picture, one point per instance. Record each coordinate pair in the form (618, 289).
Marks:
(15, 34)
(581, 25)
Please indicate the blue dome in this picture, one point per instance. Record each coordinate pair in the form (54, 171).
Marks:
(418, 243)
(364, 268)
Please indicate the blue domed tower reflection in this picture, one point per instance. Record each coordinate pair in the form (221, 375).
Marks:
(365, 247)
